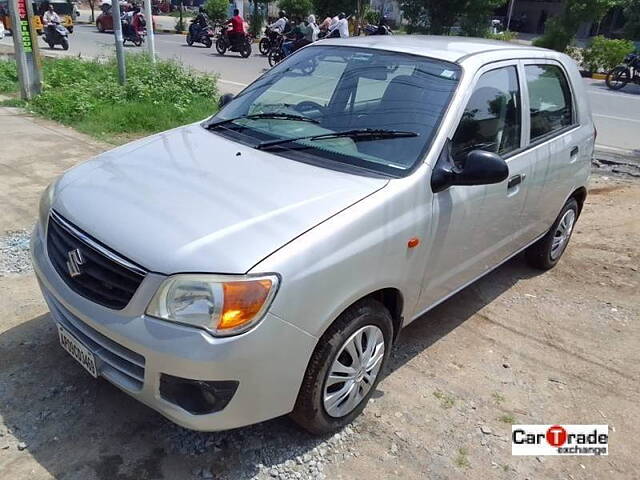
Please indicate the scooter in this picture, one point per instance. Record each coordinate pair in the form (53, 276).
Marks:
(199, 34)
(134, 36)
(56, 34)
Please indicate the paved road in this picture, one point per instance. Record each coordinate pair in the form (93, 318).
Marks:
(617, 114)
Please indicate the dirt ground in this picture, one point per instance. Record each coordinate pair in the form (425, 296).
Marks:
(516, 347)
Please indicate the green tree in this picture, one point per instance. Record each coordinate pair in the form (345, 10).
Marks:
(631, 10)
(296, 8)
(560, 30)
(217, 10)
(330, 8)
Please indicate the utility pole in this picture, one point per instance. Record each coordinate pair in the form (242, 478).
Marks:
(25, 44)
(117, 32)
(151, 41)
(510, 12)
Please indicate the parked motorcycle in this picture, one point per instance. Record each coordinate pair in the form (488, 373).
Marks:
(628, 72)
(241, 45)
(56, 34)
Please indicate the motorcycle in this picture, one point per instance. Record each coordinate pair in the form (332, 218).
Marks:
(276, 52)
(241, 45)
(56, 34)
(268, 41)
(199, 34)
(134, 36)
(376, 30)
(628, 72)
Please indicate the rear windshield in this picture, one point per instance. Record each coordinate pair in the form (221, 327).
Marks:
(341, 89)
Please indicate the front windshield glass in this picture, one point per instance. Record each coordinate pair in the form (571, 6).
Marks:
(384, 107)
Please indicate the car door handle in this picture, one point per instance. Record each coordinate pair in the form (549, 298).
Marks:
(574, 151)
(515, 180)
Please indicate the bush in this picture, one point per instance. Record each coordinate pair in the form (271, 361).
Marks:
(372, 16)
(506, 36)
(603, 54)
(85, 94)
(217, 10)
(8, 76)
(556, 36)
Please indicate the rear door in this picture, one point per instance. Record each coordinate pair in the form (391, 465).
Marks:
(476, 227)
(554, 140)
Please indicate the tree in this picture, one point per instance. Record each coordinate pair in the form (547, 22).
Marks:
(296, 8)
(560, 30)
(217, 10)
(92, 6)
(631, 10)
(331, 8)
(438, 16)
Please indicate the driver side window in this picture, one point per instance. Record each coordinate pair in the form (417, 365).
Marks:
(492, 119)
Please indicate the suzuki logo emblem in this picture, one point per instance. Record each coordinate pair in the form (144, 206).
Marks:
(74, 262)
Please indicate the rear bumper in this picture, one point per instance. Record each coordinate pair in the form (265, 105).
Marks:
(133, 350)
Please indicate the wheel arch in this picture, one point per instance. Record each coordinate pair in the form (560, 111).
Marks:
(580, 194)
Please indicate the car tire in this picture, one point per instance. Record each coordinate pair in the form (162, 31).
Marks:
(546, 252)
(99, 26)
(322, 408)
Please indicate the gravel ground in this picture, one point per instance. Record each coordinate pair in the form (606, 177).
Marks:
(14, 252)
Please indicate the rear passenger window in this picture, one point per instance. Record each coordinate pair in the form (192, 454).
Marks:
(549, 99)
(491, 120)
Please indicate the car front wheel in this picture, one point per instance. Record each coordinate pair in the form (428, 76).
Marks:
(546, 252)
(345, 368)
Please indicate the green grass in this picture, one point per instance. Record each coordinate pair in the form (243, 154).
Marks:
(8, 76)
(85, 94)
(498, 398)
(13, 102)
(461, 459)
(446, 401)
(507, 418)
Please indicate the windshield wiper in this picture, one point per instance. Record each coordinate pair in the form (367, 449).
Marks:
(357, 134)
(255, 116)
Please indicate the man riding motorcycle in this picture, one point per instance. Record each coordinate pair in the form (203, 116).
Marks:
(201, 21)
(280, 25)
(236, 34)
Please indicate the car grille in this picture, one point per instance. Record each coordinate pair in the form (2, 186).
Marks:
(94, 272)
(116, 363)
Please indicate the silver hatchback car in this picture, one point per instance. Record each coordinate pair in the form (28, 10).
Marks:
(262, 262)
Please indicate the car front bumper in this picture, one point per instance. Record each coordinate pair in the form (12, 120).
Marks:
(133, 350)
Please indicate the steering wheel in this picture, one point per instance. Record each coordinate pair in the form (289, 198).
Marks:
(308, 106)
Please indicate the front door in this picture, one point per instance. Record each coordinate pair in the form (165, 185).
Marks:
(477, 227)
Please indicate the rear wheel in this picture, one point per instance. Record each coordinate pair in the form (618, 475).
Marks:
(275, 57)
(345, 368)
(264, 46)
(618, 78)
(221, 46)
(245, 50)
(65, 44)
(546, 252)
(207, 42)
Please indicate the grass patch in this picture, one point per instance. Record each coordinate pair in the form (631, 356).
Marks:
(498, 398)
(8, 76)
(461, 459)
(85, 94)
(13, 102)
(507, 418)
(446, 401)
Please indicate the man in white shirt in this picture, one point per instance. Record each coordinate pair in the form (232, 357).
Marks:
(281, 24)
(341, 27)
(50, 16)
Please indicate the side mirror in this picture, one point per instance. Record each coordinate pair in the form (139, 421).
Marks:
(224, 99)
(480, 168)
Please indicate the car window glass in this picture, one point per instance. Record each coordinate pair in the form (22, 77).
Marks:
(492, 118)
(370, 89)
(549, 99)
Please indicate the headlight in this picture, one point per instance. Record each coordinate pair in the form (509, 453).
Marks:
(46, 199)
(222, 304)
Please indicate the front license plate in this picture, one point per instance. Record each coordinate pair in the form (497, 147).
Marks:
(78, 351)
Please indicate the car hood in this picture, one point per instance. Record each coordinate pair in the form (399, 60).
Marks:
(189, 200)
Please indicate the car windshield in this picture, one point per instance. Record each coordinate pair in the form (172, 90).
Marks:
(365, 108)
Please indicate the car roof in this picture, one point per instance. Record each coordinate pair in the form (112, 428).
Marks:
(449, 48)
